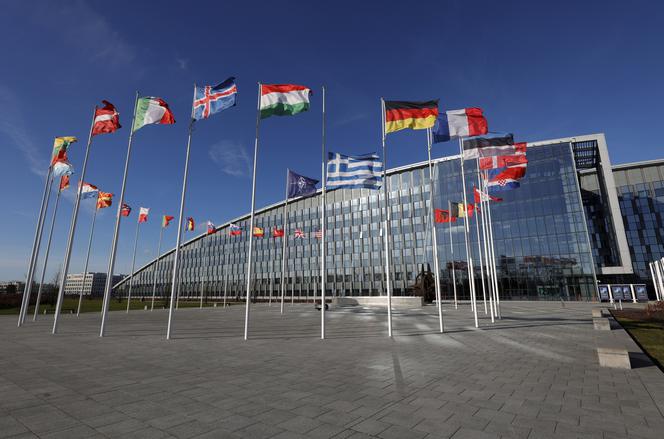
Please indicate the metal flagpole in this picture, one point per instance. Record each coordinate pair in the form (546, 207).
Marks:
(489, 271)
(133, 264)
(471, 271)
(48, 248)
(488, 246)
(449, 210)
(25, 302)
(72, 230)
(493, 259)
(492, 299)
(658, 270)
(175, 283)
(479, 241)
(251, 220)
(87, 259)
(284, 238)
(116, 232)
(322, 230)
(654, 281)
(434, 239)
(156, 263)
(387, 230)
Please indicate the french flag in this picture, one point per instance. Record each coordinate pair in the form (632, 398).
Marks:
(505, 179)
(453, 124)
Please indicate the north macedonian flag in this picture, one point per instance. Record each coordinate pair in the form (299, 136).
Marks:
(418, 115)
(104, 199)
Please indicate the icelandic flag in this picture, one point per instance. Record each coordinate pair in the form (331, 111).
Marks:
(89, 191)
(459, 123)
(348, 172)
(209, 100)
(505, 179)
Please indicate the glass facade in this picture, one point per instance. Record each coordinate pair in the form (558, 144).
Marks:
(640, 189)
(542, 244)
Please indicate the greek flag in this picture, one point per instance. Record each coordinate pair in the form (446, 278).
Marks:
(348, 172)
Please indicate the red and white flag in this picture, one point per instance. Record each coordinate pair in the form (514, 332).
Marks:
(503, 161)
(107, 119)
(277, 233)
(125, 210)
(299, 234)
(483, 196)
(143, 214)
(211, 228)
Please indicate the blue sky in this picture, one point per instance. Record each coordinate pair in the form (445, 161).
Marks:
(539, 69)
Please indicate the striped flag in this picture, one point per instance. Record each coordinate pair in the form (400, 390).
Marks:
(300, 234)
(283, 99)
(88, 191)
(318, 234)
(353, 172)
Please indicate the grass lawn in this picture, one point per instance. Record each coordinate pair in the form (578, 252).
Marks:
(94, 305)
(648, 330)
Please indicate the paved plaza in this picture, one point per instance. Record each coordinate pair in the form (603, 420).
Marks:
(534, 374)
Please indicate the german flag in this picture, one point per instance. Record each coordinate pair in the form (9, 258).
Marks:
(418, 115)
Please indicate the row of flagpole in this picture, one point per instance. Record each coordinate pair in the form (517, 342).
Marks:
(487, 233)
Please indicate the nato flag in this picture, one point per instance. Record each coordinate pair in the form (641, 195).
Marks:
(300, 186)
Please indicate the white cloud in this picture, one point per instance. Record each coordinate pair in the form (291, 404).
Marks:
(182, 63)
(231, 157)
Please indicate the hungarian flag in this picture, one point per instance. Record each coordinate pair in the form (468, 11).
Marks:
(143, 214)
(277, 233)
(165, 220)
(126, 209)
(190, 225)
(483, 196)
(259, 232)
(60, 147)
(283, 99)
(211, 228)
(64, 182)
(443, 216)
(234, 230)
(107, 119)
(151, 110)
(104, 199)
(418, 115)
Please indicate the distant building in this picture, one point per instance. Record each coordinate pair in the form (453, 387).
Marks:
(93, 283)
(12, 287)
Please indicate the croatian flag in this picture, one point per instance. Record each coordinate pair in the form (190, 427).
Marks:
(459, 123)
(505, 179)
(89, 191)
(213, 99)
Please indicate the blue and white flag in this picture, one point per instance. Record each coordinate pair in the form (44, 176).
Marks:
(213, 99)
(61, 168)
(354, 172)
(300, 186)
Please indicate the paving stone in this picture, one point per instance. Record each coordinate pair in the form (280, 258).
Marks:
(532, 374)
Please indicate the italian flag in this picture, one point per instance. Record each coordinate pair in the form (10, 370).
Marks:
(283, 99)
(151, 110)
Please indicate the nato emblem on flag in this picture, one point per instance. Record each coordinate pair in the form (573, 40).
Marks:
(213, 99)
(300, 186)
